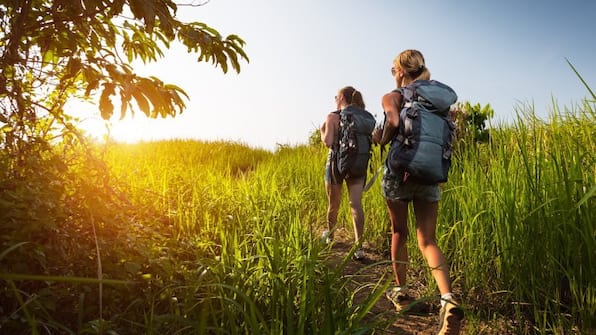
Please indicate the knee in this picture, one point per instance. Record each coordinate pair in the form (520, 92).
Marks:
(333, 205)
(426, 242)
(356, 205)
(333, 210)
(399, 230)
(357, 211)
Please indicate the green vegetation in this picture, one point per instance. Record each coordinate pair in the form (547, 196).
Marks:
(191, 237)
(56, 52)
(522, 217)
(184, 237)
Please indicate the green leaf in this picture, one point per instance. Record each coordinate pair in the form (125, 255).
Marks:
(106, 106)
(11, 248)
(81, 280)
(586, 197)
(581, 79)
(141, 101)
(125, 103)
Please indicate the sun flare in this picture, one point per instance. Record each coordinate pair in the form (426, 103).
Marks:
(131, 129)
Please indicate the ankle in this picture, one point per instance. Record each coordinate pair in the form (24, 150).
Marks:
(446, 298)
(403, 289)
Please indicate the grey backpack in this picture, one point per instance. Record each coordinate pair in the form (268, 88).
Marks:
(422, 146)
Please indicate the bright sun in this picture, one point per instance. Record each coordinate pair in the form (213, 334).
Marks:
(130, 129)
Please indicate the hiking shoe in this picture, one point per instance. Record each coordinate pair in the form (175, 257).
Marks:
(326, 237)
(359, 255)
(450, 319)
(403, 302)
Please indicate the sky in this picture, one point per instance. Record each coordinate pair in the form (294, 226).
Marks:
(508, 53)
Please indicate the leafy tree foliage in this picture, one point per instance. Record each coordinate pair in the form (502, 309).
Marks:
(57, 197)
(471, 121)
(53, 51)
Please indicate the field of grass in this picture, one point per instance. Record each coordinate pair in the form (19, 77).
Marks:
(187, 237)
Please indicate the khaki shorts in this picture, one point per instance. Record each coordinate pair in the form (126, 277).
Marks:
(394, 189)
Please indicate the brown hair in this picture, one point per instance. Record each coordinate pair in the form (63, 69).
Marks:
(352, 96)
(412, 62)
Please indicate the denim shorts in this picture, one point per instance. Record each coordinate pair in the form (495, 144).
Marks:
(395, 189)
(329, 169)
(328, 172)
(332, 175)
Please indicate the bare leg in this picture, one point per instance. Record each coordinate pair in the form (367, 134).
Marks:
(334, 198)
(426, 222)
(355, 189)
(398, 215)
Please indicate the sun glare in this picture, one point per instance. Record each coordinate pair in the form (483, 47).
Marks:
(127, 130)
(131, 129)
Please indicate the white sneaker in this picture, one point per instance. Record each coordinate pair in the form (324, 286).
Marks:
(326, 237)
(359, 255)
(405, 303)
(450, 319)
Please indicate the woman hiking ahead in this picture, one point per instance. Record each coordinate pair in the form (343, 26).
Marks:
(402, 185)
(347, 133)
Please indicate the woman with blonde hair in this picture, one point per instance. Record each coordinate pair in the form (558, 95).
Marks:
(399, 189)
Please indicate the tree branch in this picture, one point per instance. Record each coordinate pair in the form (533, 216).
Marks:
(193, 3)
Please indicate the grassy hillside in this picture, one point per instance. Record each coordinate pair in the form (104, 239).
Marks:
(181, 237)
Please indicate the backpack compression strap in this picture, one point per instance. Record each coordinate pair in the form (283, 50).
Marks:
(408, 94)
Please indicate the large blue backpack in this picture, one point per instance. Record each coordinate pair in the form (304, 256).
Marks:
(354, 143)
(422, 146)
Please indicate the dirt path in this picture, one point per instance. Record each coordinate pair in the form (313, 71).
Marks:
(366, 273)
(375, 269)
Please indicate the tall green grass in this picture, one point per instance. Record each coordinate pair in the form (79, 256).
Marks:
(522, 232)
(255, 215)
(219, 238)
(516, 221)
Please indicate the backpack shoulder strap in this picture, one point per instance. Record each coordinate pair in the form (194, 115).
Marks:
(404, 130)
(408, 93)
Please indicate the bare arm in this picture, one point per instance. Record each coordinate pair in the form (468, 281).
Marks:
(329, 129)
(391, 103)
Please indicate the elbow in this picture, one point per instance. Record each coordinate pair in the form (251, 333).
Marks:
(393, 121)
(328, 141)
